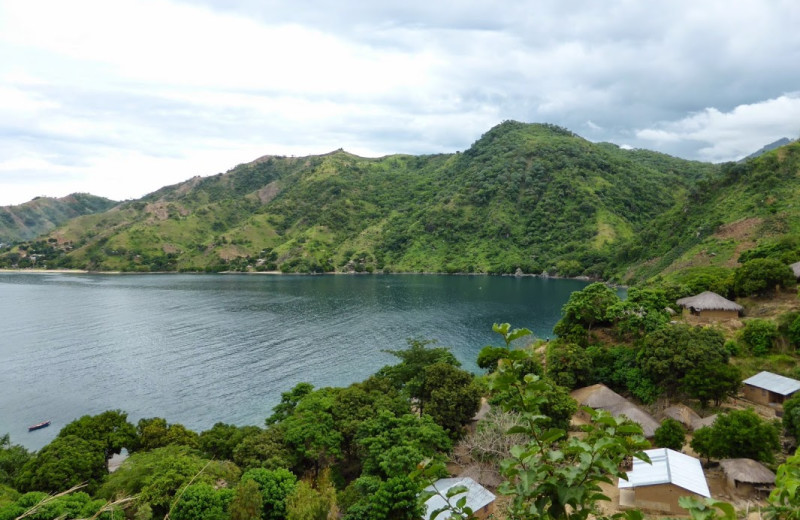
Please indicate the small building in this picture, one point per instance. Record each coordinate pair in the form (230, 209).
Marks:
(479, 499)
(769, 389)
(600, 397)
(657, 486)
(747, 478)
(710, 306)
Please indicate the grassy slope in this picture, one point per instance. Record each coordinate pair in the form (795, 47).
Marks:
(29, 220)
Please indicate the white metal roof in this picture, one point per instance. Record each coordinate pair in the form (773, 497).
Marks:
(477, 495)
(774, 383)
(668, 467)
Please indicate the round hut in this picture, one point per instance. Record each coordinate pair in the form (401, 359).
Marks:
(747, 478)
(710, 306)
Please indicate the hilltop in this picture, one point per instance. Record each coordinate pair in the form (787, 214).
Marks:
(42, 214)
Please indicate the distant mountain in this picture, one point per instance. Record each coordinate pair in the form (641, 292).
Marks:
(42, 214)
(529, 197)
(771, 146)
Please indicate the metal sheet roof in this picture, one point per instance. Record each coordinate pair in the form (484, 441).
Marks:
(668, 467)
(477, 495)
(774, 383)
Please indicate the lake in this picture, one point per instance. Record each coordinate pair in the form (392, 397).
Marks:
(198, 349)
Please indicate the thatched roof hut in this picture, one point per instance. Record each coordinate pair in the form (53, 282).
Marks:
(600, 397)
(683, 414)
(710, 305)
(746, 476)
(705, 421)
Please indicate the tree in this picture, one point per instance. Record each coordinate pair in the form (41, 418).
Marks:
(247, 503)
(392, 499)
(276, 486)
(409, 373)
(449, 395)
(265, 449)
(584, 310)
(309, 502)
(759, 335)
(288, 402)
(110, 428)
(202, 502)
(220, 441)
(761, 276)
(739, 433)
(668, 354)
(156, 433)
(311, 431)
(393, 446)
(671, 434)
(791, 416)
(712, 382)
(67, 461)
(12, 459)
(568, 365)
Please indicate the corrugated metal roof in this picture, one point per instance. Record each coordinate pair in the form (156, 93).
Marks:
(477, 495)
(668, 467)
(774, 383)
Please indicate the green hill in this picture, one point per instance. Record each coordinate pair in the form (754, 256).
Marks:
(42, 214)
(525, 196)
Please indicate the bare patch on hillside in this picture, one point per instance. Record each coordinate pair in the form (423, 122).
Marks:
(269, 192)
(158, 210)
(740, 230)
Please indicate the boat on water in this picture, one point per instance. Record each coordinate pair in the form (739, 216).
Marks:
(39, 426)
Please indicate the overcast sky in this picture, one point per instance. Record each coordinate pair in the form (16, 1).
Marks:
(120, 97)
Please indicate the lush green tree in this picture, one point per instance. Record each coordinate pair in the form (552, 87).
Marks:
(739, 433)
(761, 276)
(220, 441)
(409, 374)
(793, 332)
(585, 309)
(309, 502)
(65, 462)
(759, 335)
(489, 356)
(449, 395)
(288, 402)
(712, 382)
(157, 475)
(275, 486)
(618, 368)
(41, 506)
(668, 354)
(568, 365)
(201, 502)
(391, 499)
(12, 459)
(311, 430)
(784, 501)
(791, 416)
(110, 428)
(155, 432)
(393, 446)
(265, 449)
(247, 503)
(671, 434)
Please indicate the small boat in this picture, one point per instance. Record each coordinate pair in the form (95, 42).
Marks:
(39, 426)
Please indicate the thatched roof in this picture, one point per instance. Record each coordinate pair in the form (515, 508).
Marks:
(709, 301)
(748, 471)
(796, 268)
(705, 421)
(683, 414)
(600, 397)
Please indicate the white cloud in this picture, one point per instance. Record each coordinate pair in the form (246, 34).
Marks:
(733, 134)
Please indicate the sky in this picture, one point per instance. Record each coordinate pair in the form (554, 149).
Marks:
(121, 97)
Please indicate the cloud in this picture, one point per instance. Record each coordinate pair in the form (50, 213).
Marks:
(721, 136)
(181, 86)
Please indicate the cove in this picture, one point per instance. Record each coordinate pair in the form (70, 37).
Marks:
(199, 349)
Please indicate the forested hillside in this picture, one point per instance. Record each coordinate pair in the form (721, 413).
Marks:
(531, 197)
(42, 214)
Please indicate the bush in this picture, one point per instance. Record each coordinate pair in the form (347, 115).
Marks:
(670, 434)
(762, 276)
(759, 335)
(791, 416)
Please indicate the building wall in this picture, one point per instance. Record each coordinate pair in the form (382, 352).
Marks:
(717, 315)
(661, 497)
(762, 396)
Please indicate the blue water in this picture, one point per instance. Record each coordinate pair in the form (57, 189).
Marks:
(198, 349)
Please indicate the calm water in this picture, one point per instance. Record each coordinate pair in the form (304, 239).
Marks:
(198, 349)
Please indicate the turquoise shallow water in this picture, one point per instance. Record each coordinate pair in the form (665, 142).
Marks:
(198, 349)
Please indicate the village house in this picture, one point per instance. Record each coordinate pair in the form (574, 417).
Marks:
(658, 486)
(600, 397)
(769, 389)
(479, 499)
(710, 306)
(747, 478)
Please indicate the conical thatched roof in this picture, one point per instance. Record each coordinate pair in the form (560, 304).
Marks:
(705, 421)
(683, 414)
(748, 471)
(709, 301)
(600, 397)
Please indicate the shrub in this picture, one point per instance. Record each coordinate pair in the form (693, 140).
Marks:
(670, 434)
(759, 335)
(762, 276)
